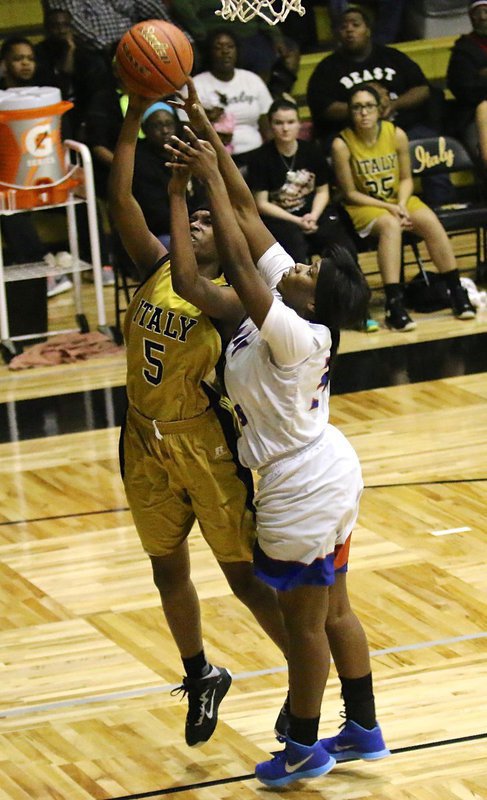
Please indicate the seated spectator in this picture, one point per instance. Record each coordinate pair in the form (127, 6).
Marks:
(387, 17)
(151, 176)
(358, 60)
(104, 117)
(226, 88)
(18, 63)
(100, 24)
(467, 77)
(289, 180)
(372, 166)
(63, 62)
(285, 70)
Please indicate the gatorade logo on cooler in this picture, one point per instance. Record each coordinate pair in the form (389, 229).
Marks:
(31, 151)
(38, 141)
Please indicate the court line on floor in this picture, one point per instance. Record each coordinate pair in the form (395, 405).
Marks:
(76, 514)
(240, 778)
(129, 694)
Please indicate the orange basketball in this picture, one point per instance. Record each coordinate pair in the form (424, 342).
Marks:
(154, 58)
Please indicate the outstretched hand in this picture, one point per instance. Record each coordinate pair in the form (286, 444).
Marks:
(197, 155)
(193, 107)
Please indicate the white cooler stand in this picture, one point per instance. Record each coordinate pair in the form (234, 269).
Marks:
(11, 345)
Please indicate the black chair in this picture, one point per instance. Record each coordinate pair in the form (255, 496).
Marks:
(444, 154)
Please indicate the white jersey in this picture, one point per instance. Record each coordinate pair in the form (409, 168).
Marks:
(245, 96)
(277, 378)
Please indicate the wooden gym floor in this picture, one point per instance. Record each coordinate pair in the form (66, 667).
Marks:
(86, 660)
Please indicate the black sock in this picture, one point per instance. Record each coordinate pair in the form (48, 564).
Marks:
(303, 731)
(196, 666)
(393, 291)
(451, 278)
(358, 697)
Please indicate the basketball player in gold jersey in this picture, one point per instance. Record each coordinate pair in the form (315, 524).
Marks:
(178, 458)
(372, 166)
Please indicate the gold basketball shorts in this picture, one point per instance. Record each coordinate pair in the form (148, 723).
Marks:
(176, 472)
(364, 217)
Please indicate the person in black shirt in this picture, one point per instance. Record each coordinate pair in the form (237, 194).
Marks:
(406, 96)
(289, 179)
(151, 178)
(467, 78)
(151, 175)
(63, 62)
(358, 60)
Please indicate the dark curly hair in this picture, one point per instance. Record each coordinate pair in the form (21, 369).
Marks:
(342, 294)
(9, 43)
(364, 87)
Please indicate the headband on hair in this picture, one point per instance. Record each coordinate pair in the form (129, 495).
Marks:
(476, 3)
(159, 106)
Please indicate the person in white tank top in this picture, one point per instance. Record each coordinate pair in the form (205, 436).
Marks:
(277, 376)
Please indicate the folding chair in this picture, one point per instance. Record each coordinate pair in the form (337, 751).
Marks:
(444, 154)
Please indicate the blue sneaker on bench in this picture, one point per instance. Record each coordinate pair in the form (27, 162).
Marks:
(295, 762)
(353, 741)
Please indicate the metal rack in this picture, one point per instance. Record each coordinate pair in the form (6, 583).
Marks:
(10, 344)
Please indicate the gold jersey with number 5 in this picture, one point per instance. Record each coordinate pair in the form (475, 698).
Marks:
(178, 443)
(171, 347)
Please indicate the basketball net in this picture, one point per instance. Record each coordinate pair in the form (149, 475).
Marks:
(272, 11)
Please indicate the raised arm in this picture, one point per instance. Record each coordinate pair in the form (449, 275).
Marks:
(219, 302)
(258, 237)
(143, 247)
(233, 250)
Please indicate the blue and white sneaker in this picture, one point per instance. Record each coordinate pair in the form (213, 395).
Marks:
(353, 741)
(295, 762)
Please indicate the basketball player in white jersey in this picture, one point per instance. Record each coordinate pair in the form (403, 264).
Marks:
(277, 375)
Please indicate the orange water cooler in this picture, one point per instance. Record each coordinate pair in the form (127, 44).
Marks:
(32, 163)
(37, 171)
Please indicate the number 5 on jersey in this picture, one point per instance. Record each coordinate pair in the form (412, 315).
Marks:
(152, 354)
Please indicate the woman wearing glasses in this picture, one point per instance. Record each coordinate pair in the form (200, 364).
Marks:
(372, 166)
